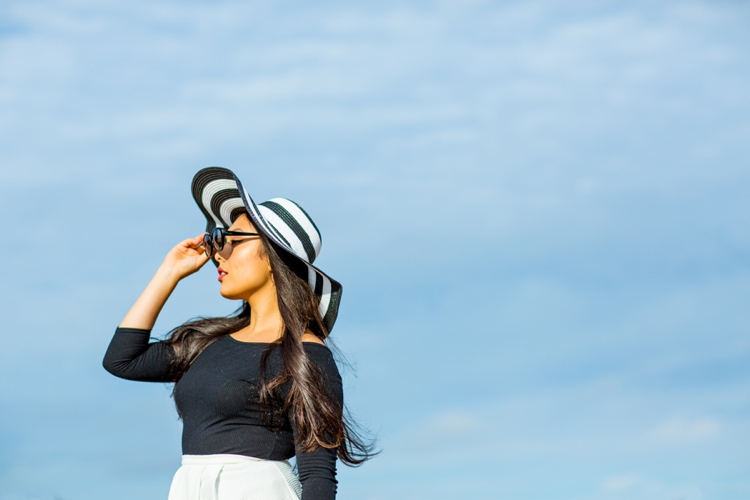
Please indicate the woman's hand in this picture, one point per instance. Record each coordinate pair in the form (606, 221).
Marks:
(183, 260)
(186, 257)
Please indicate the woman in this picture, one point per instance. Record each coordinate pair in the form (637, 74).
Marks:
(257, 387)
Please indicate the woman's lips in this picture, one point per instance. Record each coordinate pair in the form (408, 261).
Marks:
(222, 273)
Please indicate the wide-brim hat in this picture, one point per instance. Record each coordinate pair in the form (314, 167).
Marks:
(222, 198)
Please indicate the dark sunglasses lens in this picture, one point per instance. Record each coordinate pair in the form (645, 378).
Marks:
(208, 245)
(218, 237)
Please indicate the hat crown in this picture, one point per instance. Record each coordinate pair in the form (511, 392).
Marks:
(294, 226)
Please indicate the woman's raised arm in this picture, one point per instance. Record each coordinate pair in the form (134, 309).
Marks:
(130, 355)
(183, 260)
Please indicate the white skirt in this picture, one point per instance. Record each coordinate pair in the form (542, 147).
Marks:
(234, 477)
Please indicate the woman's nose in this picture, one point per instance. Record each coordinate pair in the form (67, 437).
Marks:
(223, 254)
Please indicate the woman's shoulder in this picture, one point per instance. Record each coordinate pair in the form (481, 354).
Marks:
(316, 348)
(310, 338)
(321, 356)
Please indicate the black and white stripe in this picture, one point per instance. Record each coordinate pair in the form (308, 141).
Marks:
(295, 225)
(222, 198)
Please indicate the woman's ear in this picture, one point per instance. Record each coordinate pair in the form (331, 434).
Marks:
(267, 258)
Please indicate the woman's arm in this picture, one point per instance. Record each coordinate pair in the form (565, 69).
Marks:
(317, 474)
(130, 355)
(183, 260)
(317, 469)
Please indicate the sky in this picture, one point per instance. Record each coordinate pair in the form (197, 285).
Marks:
(538, 212)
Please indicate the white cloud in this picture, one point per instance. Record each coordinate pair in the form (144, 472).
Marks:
(622, 482)
(451, 423)
(441, 431)
(680, 430)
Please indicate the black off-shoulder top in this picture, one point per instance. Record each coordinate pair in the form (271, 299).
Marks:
(217, 400)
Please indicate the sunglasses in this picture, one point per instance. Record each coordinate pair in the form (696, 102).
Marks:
(214, 241)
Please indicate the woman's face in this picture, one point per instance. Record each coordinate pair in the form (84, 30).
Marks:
(245, 262)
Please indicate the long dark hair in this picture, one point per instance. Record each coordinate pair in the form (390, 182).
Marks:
(319, 417)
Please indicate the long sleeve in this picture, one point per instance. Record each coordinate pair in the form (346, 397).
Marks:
(131, 356)
(317, 469)
(317, 474)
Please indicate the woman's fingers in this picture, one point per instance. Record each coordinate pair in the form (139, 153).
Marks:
(199, 244)
(192, 242)
(196, 239)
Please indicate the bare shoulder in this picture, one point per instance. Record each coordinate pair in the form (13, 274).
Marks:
(308, 336)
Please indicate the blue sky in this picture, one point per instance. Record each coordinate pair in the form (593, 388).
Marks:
(538, 212)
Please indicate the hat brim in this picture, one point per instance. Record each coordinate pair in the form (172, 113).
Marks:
(222, 198)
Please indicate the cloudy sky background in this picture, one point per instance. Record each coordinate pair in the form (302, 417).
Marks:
(538, 212)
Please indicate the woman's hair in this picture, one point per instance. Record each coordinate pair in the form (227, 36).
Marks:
(316, 413)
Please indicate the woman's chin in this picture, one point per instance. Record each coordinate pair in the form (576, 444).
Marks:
(227, 293)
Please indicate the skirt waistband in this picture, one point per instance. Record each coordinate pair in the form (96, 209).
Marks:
(223, 459)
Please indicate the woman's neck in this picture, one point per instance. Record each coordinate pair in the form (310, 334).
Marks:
(266, 323)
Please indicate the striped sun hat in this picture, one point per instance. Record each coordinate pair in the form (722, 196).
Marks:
(222, 198)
